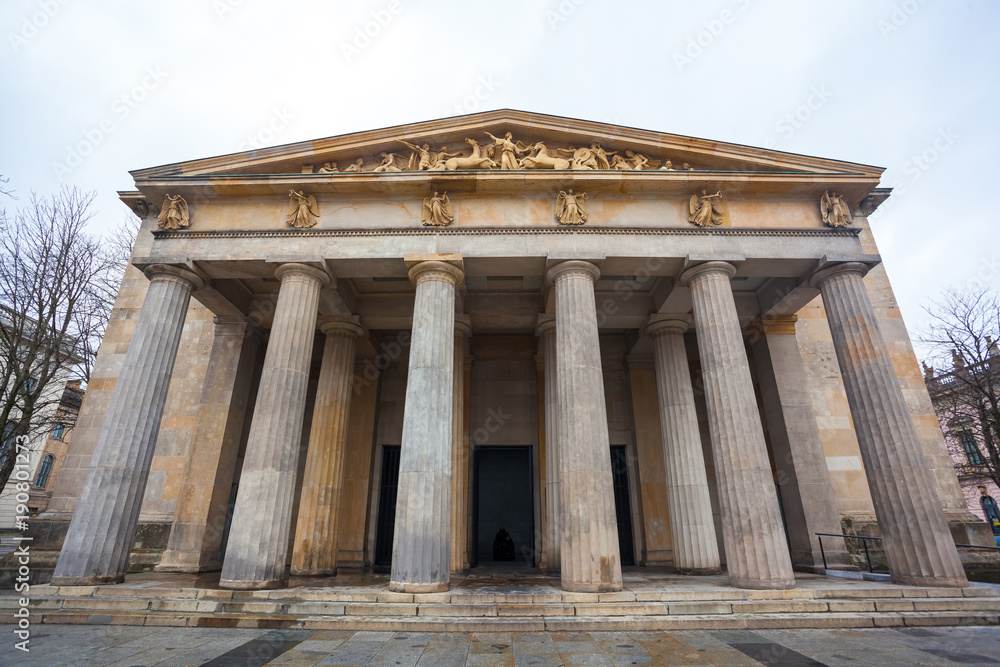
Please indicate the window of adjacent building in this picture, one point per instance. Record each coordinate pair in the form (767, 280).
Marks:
(59, 431)
(992, 513)
(44, 470)
(970, 447)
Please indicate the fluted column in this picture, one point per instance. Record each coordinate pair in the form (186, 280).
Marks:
(915, 534)
(100, 536)
(460, 454)
(752, 532)
(692, 528)
(258, 537)
(589, 554)
(546, 330)
(200, 518)
(421, 547)
(314, 552)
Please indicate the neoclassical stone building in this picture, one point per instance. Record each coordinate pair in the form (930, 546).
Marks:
(506, 338)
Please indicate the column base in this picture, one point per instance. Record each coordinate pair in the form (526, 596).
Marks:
(942, 582)
(697, 571)
(590, 588)
(252, 585)
(323, 572)
(175, 561)
(762, 585)
(97, 580)
(405, 587)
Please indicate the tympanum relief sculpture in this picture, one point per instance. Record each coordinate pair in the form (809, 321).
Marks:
(571, 209)
(506, 153)
(303, 212)
(705, 210)
(174, 213)
(835, 210)
(436, 211)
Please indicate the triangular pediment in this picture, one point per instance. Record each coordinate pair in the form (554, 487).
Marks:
(540, 141)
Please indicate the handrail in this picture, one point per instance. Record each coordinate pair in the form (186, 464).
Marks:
(879, 539)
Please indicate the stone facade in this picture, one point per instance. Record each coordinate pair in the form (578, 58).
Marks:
(643, 350)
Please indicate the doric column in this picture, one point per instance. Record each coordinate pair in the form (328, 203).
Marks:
(915, 534)
(258, 537)
(460, 454)
(589, 530)
(546, 330)
(421, 547)
(314, 551)
(196, 534)
(806, 490)
(692, 529)
(752, 532)
(100, 536)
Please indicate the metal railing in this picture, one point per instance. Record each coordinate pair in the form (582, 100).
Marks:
(868, 559)
(860, 537)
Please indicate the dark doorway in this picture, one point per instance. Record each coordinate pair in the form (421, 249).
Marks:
(503, 500)
(386, 525)
(623, 505)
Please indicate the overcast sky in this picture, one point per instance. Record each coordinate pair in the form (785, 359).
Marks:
(93, 89)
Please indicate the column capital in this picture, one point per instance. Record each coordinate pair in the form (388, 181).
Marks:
(659, 325)
(707, 267)
(463, 326)
(817, 278)
(341, 325)
(546, 323)
(293, 269)
(571, 267)
(189, 279)
(435, 270)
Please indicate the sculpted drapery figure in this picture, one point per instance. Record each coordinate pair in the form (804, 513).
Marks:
(174, 214)
(705, 210)
(328, 168)
(436, 211)
(618, 162)
(422, 158)
(667, 166)
(508, 150)
(637, 160)
(571, 209)
(356, 165)
(389, 163)
(835, 210)
(303, 211)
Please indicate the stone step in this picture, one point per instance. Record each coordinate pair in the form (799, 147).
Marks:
(117, 604)
(538, 624)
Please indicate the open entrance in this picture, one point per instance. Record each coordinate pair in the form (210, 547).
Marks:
(386, 525)
(503, 510)
(623, 506)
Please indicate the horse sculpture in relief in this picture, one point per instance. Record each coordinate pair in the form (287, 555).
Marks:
(542, 160)
(475, 161)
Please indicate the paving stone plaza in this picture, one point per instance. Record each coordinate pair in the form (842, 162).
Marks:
(102, 646)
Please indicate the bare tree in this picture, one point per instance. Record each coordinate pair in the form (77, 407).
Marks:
(963, 336)
(55, 295)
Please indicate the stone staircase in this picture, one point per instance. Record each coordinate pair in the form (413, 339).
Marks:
(817, 606)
